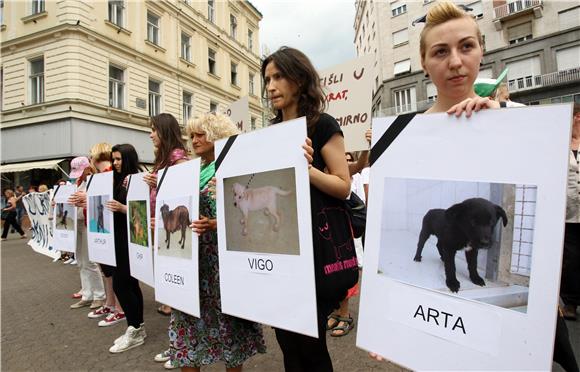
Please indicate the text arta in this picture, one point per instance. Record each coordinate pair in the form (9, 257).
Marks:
(440, 318)
(260, 264)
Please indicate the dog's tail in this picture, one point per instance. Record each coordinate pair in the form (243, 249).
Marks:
(282, 192)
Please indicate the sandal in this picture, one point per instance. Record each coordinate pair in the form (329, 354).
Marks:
(161, 310)
(344, 329)
(332, 321)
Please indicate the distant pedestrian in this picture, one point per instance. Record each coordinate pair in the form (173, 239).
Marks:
(9, 215)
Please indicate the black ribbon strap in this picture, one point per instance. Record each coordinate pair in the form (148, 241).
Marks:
(389, 136)
(55, 191)
(162, 178)
(89, 183)
(225, 150)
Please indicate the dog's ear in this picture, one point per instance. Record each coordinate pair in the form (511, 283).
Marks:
(501, 213)
(454, 212)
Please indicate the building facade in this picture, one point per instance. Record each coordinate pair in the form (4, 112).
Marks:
(78, 72)
(539, 40)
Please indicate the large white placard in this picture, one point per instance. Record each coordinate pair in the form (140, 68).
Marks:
(176, 246)
(138, 231)
(264, 229)
(348, 89)
(38, 209)
(100, 227)
(476, 183)
(239, 113)
(64, 219)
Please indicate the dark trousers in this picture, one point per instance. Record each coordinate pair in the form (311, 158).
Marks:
(11, 221)
(303, 353)
(563, 352)
(127, 288)
(570, 280)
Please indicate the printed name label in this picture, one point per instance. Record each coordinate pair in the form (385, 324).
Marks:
(139, 256)
(174, 279)
(99, 241)
(260, 265)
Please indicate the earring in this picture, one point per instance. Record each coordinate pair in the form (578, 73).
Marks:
(481, 64)
(426, 75)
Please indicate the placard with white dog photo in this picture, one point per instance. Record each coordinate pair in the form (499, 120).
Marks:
(264, 228)
(64, 219)
(176, 246)
(463, 256)
(138, 217)
(100, 231)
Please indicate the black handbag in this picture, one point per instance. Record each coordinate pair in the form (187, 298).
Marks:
(358, 214)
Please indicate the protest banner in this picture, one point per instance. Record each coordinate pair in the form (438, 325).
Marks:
(100, 227)
(176, 246)
(65, 219)
(239, 113)
(38, 209)
(265, 250)
(348, 89)
(463, 257)
(138, 222)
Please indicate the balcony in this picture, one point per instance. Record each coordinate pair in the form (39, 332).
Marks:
(538, 81)
(420, 106)
(515, 9)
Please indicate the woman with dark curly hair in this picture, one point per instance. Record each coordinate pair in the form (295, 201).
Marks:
(293, 87)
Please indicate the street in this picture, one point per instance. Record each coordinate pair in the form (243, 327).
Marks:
(40, 332)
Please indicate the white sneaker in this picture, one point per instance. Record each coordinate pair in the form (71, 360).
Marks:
(73, 262)
(162, 357)
(169, 365)
(112, 319)
(132, 338)
(141, 330)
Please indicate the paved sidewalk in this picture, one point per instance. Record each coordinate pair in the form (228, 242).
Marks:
(41, 333)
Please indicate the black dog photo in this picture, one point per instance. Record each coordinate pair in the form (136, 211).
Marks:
(473, 239)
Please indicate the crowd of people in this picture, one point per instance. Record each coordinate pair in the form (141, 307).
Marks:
(451, 53)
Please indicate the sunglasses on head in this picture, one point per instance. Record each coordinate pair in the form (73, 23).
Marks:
(423, 19)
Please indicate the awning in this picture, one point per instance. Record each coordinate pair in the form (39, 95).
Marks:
(21, 167)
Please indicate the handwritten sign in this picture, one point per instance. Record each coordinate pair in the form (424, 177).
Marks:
(348, 89)
(239, 113)
(38, 207)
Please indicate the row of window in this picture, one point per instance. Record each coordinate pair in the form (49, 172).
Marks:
(117, 89)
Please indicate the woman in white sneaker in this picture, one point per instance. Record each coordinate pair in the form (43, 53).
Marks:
(125, 163)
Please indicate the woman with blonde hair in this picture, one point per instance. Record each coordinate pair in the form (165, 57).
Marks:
(214, 336)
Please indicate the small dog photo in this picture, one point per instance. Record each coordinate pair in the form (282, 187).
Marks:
(63, 214)
(172, 225)
(474, 239)
(100, 219)
(261, 213)
(139, 232)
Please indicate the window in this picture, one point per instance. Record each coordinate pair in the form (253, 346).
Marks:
(116, 9)
(213, 106)
(211, 10)
(569, 18)
(37, 6)
(233, 26)
(234, 74)
(477, 7)
(1, 12)
(187, 107)
(253, 123)
(186, 47)
(398, 8)
(251, 40)
(211, 61)
(400, 37)
(154, 98)
(37, 81)
(568, 58)
(520, 33)
(402, 66)
(431, 92)
(251, 84)
(116, 87)
(405, 100)
(485, 73)
(1, 88)
(521, 73)
(153, 28)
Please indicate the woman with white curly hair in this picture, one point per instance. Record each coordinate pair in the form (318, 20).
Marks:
(214, 336)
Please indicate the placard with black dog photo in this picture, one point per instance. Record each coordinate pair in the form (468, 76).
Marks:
(474, 239)
(260, 212)
(64, 214)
